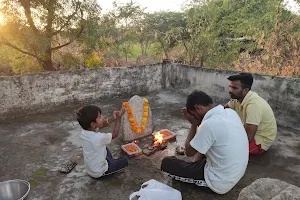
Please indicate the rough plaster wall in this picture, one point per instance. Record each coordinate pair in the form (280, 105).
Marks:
(30, 94)
(282, 93)
(21, 95)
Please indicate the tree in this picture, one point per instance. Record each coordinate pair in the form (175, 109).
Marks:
(39, 27)
(221, 29)
(91, 34)
(164, 27)
(128, 21)
(202, 43)
(280, 44)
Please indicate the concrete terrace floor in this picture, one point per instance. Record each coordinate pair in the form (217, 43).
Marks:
(34, 148)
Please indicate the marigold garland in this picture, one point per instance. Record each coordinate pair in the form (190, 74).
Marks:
(133, 124)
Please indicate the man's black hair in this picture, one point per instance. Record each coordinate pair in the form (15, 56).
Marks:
(245, 78)
(198, 98)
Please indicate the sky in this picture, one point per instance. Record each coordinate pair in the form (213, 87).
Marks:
(152, 5)
(174, 5)
(171, 5)
(293, 6)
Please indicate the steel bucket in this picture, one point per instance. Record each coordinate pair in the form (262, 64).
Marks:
(14, 190)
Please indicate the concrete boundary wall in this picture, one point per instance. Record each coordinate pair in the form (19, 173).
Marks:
(282, 93)
(38, 93)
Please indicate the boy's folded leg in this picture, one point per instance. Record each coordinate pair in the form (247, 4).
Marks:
(116, 165)
(108, 155)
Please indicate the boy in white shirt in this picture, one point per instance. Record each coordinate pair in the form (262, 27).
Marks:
(219, 146)
(97, 158)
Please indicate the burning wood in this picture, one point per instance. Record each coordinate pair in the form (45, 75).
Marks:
(159, 139)
(152, 149)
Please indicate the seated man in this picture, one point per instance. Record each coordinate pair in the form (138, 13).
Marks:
(255, 113)
(219, 147)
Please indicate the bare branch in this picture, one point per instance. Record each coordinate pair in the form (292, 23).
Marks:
(72, 40)
(7, 43)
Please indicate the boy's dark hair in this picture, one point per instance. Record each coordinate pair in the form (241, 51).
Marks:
(86, 115)
(198, 98)
(245, 78)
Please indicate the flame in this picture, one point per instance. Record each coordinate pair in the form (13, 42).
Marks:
(158, 137)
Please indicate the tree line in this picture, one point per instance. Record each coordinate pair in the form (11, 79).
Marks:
(246, 35)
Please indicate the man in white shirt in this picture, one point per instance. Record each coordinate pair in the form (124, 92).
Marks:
(219, 146)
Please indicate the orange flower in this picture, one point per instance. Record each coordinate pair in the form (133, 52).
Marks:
(139, 130)
(134, 129)
(133, 124)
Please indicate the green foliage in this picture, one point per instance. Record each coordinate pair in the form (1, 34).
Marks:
(69, 61)
(90, 36)
(136, 50)
(156, 50)
(211, 33)
(93, 61)
(166, 28)
(37, 28)
(25, 64)
(14, 62)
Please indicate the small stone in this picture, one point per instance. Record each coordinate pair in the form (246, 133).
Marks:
(66, 149)
(180, 150)
(267, 188)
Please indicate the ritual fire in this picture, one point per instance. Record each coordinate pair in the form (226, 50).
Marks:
(163, 136)
(158, 139)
